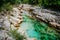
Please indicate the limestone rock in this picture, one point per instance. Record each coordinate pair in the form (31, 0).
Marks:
(4, 35)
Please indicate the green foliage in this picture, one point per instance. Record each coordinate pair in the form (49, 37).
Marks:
(6, 7)
(7, 4)
(14, 1)
(54, 4)
(45, 3)
(9, 1)
(33, 2)
(51, 2)
(16, 35)
(24, 1)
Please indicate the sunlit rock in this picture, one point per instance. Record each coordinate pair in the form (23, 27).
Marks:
(4, 35)
(25, 6)
(1, 22)
(6, 23)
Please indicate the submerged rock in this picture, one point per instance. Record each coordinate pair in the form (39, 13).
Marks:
(35, 30)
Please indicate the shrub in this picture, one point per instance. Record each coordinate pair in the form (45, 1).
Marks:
(13, 1)
(24, 1)
(51, 3)
(7, 7)
(7, 4)
(9, 1)
(33, 2)
(16, 35)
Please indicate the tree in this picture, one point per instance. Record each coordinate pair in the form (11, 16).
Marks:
(33, 2)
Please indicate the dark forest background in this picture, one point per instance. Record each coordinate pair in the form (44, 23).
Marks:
(7, 4)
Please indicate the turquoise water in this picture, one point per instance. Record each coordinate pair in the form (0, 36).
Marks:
(39, 30)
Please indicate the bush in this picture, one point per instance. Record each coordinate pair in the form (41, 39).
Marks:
(9, 1)
(45, 3)
(51, 3)
(17, 36)
(7, 4)
(13, 1)
(25, 1)
(7, 7)
(33, 2)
